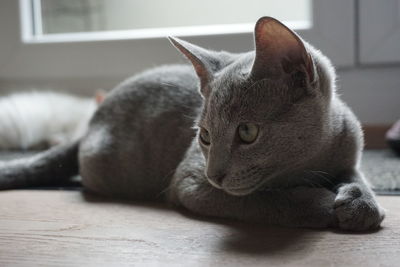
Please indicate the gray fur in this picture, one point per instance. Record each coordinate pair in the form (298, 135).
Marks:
(302, 170)
(51, 167)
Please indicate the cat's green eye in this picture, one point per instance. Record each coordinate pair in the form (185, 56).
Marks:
(248, 132)
(205, 136)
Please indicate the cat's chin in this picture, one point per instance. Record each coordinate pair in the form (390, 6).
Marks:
(240, 192)
(214, 184)
(236, 191)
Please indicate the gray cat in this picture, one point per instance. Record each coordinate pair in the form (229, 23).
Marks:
(271, 143)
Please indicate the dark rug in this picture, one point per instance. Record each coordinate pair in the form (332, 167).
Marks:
(381, 168)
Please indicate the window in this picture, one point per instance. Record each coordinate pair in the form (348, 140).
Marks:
(58, 20)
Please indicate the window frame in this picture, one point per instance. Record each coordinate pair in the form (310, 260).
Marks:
(32, 30)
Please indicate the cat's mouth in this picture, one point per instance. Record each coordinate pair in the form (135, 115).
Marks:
(243, 184)
(236, 191)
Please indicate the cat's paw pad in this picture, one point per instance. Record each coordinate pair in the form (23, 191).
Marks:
(357, 210)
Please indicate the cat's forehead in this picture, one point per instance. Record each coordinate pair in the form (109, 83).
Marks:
(231, 81)
(237, 99)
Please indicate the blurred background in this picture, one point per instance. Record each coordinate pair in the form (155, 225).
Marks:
(79, 46)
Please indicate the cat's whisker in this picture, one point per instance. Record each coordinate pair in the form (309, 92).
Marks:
(166, 177)
(166, 189)
(321, 175)
(311, 183)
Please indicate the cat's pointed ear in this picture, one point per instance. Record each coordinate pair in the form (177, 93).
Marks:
(201, 60)
(279, 49)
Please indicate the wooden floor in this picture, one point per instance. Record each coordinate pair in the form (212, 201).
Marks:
(65, 228)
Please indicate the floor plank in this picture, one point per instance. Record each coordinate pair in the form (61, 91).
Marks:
(64, 228)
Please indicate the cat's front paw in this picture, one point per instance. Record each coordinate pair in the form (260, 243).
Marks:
(357, 210)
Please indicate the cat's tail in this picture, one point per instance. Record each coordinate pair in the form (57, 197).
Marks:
(50, 167)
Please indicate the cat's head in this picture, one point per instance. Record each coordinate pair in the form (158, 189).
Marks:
(264, 111)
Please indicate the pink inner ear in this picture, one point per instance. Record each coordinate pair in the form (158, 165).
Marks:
(201, 72)
(275, 42)
(276, 46)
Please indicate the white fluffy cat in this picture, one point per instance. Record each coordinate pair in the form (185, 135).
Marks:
(41, 119)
